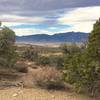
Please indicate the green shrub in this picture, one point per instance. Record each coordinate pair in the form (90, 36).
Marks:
(30, 53)
(69, 49)
(82, 73)
(42, 60)
(52, 60)
(56, 61)
(75, 71)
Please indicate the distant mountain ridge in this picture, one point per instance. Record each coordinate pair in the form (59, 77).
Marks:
(60, 37)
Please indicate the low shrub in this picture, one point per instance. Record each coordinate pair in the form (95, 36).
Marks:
(53, 61)
(21, 67)
(30, 53)
(56, 61)
(48, 78)
(42, 60)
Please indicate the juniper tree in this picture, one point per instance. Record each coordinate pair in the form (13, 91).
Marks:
(7, 48)
(93, 47)
(83, 70)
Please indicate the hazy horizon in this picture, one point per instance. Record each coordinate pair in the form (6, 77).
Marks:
(29, 17)
(51, 34)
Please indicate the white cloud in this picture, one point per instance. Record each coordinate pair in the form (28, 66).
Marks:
(21, 19)
(9, 24)
(81, 19)
(21, 32)
(52, 28)
(28, 31)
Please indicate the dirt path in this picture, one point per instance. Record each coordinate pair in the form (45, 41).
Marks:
(35, 93)
(38, 94)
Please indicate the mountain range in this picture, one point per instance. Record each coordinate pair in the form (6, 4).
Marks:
(59, 37)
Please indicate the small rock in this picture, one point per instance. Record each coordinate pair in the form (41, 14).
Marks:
(15, 94)
(53, 96)
(20, 91)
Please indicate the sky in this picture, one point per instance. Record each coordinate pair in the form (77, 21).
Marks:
(28, 17)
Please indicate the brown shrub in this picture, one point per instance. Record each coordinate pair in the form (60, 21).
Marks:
(21, 67)
(48, 78)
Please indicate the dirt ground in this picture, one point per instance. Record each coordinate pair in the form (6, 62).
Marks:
(38, 94)
(34, 93)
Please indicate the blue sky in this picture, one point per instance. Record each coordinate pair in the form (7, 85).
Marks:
(27, 17)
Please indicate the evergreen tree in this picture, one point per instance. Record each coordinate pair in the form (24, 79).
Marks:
(83, 70)
(7, 48)
(93, 47)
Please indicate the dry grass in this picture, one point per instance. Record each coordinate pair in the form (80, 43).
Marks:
(48, 77)
(52, 54)
(22, 67)
(9, 74)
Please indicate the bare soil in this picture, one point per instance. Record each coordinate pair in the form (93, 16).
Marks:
(12, 89)
(38, 94)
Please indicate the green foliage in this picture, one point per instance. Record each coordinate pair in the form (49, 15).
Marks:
(33, 54)
(93, 48)
(72, 70)
(7, 48)
(82, 69)
(69, 49)
(93, 56)
(42, 60)
(53, 61)
(30, 53)
(0, 23)
(56, 61)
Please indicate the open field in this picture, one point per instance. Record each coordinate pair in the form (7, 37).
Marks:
(45, 44)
